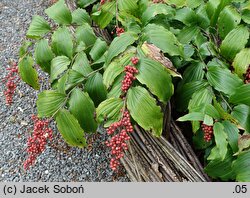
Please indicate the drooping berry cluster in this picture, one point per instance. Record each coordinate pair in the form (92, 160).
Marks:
(118, 142)
(11, 80)
(208, 132)
(247, 76)
(119, 31)
(128, 78)
(37, 142)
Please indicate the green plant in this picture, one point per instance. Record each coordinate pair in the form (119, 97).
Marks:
(206, 41)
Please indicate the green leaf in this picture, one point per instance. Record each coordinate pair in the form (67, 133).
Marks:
(38, 27)
(119, 45)
(60, 13)
(177, 3)
(199, 141)
(129, 6)
(81, 64)
(70, 129)
(241, 167)
(113, 70)
(144, 110)
(187, 34)
(221, 168)
(223, 80)
(243, 143)
(85, 3)
(43, 55)
(23, 49)
(212, 111)
(96, 89)
(80, 16)
(110, 110)
(85, 34)
(194, 3)
(62, 43)
(58, 65)
(194, 72)
(193, 116)
(49, 102)
(242, 62)
(98, 49)
(228, 20)
(61, 85)
(83, 109)
(164, 39)
(241, 95)
(220, 139)
(74, 78)
(186, 91)
(232, 133)
(105, 15)
(149, 70)
(187, 16)
(246, 16)
(28, 73)
(156, 9)
(234, 42)
(116, 89)
(242, 114)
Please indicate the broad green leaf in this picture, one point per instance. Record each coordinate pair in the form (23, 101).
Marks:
(187, 34)
(193, 116)
(156, 9)
(98, 49)
(116, 89)
(164, 39)
(119, 45)
(234, 42)
(194, 3)
(242, 114)
(186, 91)
(129, 6)
(61, 85)
(85, 34)
(109, 110)
(241, 167)
(178, 3)
(49, 102)
(223, 80)
(242, 62)
(200, 98)
(144, 110)
(241, 95)
(220, 139)
(58, 65)
(43, 55)
(74, 78)
(70, 129)
(23, 49)
(80, 16)
(116, 67)
(246, 16)
(85, 3)
(38, 27)
(81, 64)
(148, 71)
(62, 43)
(83, 109)
(221, 168)
(208, 120)
(232, 133)
(187, 16)
(105, 15)
(60, 13)
(228, 20)
(28, 73)
(212, 111)
(96, 89)
(194, 72)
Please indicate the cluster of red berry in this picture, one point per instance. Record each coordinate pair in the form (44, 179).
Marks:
(119, 31)
(158, 1)
(208, 132)
(36, 144)
(247, 76)
(11, 80)
(129, 75)
(102, 2)
(118, 142)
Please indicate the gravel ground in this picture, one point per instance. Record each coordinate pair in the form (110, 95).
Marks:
(58, 162)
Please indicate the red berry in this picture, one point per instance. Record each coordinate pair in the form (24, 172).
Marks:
(247, 75)
(208, 132)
